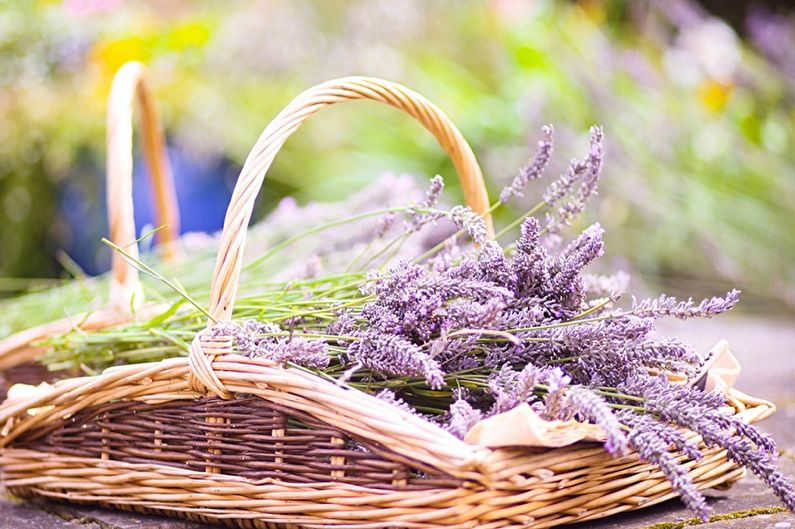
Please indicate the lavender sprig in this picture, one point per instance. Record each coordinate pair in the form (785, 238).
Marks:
(256, 339)
(670, 306)
(394, 356)
(466, 219)
(557, 382)
(419, 216)
(647, 438)
(533, 170)
(509, 387)
(589, 171)
(590, 407)
(564, 184)
(704, 414)
(462, 418)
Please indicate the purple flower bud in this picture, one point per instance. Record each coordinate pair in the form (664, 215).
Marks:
(669, 306)
(421, 218)
(393, 356)
(533, 170)
(466, 219)
(462, 418)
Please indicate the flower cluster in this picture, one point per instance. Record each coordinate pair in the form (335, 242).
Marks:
(267, 340)
(523, 324)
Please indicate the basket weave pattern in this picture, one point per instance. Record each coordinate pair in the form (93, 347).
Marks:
(253, 438)
(478, 487)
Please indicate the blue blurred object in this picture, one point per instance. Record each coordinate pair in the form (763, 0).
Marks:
(203, 193)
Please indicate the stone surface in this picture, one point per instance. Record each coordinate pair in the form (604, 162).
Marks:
(747, 496)
(766, 350)
(17, 515)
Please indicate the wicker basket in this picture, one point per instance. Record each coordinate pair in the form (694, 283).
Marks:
(130, 86)
(225, 438)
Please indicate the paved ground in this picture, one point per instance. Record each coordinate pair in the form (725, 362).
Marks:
(765, 348)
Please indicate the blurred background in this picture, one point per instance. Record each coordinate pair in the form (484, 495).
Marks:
(696, 99)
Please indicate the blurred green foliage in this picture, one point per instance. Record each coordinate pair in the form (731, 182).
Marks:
(700, 174)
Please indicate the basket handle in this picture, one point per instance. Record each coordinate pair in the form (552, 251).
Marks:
(230, 253)
(130, 86)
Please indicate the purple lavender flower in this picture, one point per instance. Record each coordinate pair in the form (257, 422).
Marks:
(252, 339)
(645, 438)
(421, 218)
(509, 388)
(307, 353)
(494, 267)
(612, 286)
(529, 263)
(565, 183)
(566, 282)
(475, 315)
(557, 383)
(391, 355)
(462, 418)
(344, 325)
(665, 354)
(533, 170)
(669, 306)
(702, 413)
(672, 436)
(466, 219)
(417, 304)
(588, 406)
(590, 171)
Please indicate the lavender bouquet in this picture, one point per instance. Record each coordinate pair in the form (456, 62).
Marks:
(462, 333)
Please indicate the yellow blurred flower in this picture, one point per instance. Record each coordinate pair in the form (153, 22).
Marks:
(190, 35)
(714, 95)
(109, 56)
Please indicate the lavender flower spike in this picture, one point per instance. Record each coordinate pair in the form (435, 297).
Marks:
(561, 187)
(557, 384)
(590, 170)
(462, 417)
(578, 255)
(254, 339)
(644, 437)
(590, 406)
(533, 170)
(392, 355)
(420, 219)
(669, 306)
(464, 218)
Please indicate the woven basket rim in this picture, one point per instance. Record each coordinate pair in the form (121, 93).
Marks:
(352, 411)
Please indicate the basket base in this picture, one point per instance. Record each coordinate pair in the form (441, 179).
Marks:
(237, 502)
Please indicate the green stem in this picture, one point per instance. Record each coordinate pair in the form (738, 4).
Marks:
(530, 212)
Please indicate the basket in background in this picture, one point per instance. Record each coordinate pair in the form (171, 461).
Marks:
(130, 88)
